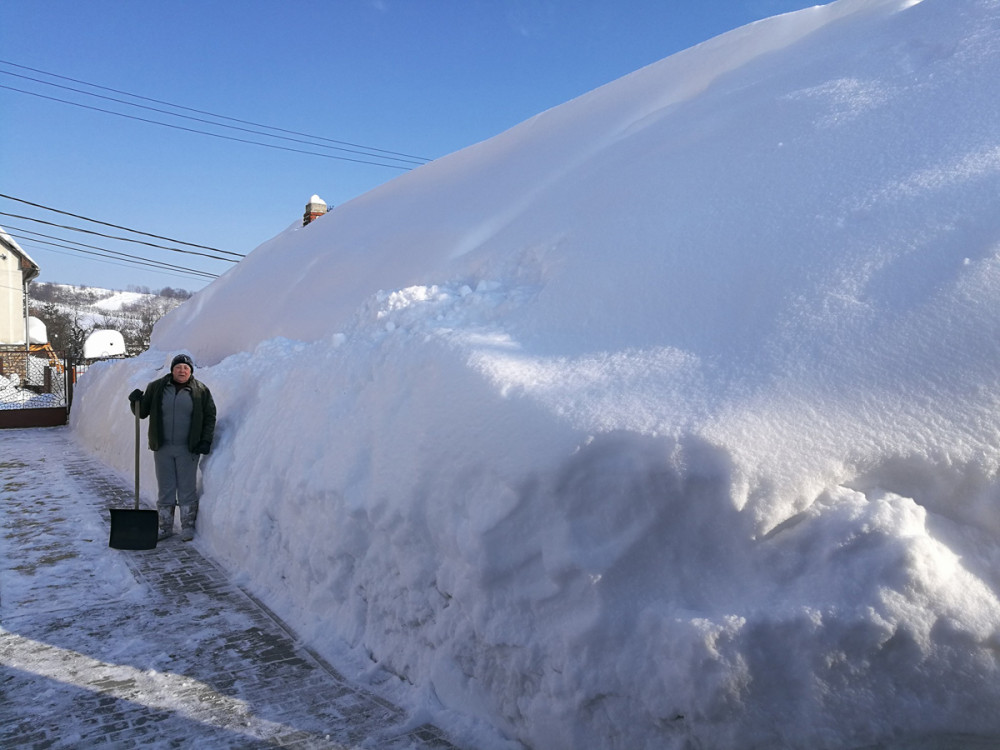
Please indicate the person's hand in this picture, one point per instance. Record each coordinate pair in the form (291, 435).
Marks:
(204, 448)
(134, 396)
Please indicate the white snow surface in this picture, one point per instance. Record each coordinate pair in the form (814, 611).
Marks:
(118, 300)
(669, 418)
(103, 342)
(37, 332)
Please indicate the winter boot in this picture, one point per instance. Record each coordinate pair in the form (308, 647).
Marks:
(166, 522)
(189, 514)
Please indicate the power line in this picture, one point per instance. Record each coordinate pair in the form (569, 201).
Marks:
(415, 161)
(113, 237)
(111, 262)
(203, 132)
(210, 114)
(118, 226)
(125, 258)
(135, 259)
(124, 263)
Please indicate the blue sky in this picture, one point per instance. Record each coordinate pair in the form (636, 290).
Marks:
(418, 77)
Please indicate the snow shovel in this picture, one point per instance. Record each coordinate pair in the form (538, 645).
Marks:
(132, 528)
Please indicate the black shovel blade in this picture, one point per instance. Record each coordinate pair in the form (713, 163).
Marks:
(133, 529)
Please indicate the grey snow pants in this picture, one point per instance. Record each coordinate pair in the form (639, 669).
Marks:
(176, 476)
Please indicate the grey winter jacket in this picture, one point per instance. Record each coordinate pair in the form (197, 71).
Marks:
(202, 413)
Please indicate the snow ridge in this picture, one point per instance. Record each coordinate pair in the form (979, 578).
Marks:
(667, 419)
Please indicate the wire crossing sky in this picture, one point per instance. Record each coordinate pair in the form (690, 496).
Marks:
(257, 128)
(217, 124)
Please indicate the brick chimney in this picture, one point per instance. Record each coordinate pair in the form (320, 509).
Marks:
(314, 209)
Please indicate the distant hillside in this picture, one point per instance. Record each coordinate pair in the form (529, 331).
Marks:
(71, 313)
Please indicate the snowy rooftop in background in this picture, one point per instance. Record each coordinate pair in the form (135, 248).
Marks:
(104, 343)
(668, 418)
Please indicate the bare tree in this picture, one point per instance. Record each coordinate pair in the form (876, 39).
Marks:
(66, 329)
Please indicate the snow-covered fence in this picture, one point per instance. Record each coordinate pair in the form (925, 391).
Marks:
(36, 389)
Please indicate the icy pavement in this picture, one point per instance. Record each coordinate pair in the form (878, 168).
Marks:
(156, 648)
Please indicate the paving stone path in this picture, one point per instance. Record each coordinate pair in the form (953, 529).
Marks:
(154, 648)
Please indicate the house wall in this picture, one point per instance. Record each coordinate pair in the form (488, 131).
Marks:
(11, 298)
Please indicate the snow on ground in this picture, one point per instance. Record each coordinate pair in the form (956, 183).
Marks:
(118, 300)
(666, 419)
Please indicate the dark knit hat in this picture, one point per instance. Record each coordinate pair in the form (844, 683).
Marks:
(182, 359)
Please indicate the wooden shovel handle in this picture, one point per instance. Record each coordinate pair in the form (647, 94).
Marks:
(136, 407)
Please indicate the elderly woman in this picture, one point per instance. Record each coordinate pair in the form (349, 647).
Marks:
(181, 415)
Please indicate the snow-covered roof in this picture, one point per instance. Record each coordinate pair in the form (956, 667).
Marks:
(37, 332)
(8, 241)
(104, 343)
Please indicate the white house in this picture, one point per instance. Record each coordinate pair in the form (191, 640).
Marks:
(17, 270)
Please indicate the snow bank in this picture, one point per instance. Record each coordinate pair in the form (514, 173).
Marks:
(666, 419)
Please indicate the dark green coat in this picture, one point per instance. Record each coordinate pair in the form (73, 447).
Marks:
(202, 414)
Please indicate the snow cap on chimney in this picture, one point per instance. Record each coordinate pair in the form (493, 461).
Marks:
(315, 208)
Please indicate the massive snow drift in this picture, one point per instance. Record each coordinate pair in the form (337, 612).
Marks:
(668, 418)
